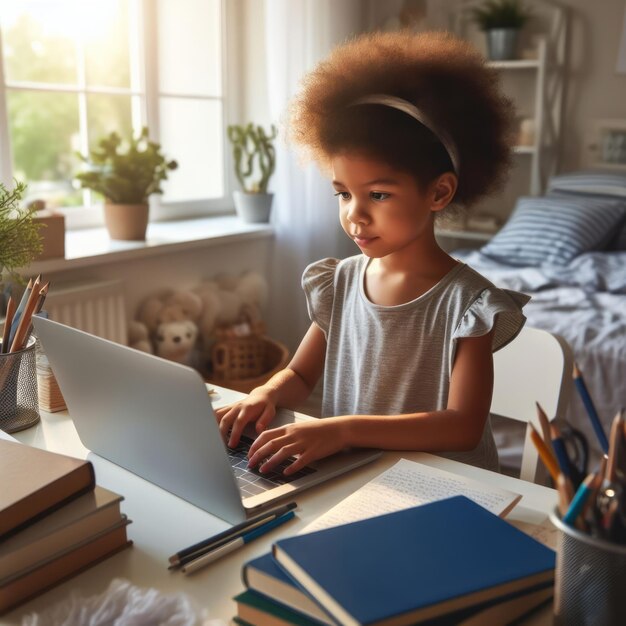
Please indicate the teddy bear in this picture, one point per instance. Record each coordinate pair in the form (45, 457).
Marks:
(166, 325)
(176, 340)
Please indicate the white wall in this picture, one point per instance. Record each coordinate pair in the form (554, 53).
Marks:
(594, 90)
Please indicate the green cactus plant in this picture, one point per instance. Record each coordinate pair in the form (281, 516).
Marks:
(128, 177)
(254, 156)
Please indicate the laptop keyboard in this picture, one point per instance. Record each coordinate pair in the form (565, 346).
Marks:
(252, 482)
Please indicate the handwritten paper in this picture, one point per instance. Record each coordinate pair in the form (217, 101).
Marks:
(408, 484)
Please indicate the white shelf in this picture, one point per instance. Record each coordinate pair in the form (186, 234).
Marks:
(524, 149)
(473, 235)
(92, 247)
(515, 64)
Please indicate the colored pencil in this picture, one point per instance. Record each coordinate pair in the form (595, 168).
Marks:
(18, 314)
(8, 320)
(544, 452)
(579, 382)
(544, 422)
(578, 501)
(22, 327)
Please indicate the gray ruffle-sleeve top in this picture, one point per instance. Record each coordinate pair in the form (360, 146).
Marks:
(392, 360)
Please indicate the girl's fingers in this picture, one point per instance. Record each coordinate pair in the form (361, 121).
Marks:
(266, 448)
(277, 458)
(265, 418)
(298, 464)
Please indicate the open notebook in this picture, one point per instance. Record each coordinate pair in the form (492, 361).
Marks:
(407, 484)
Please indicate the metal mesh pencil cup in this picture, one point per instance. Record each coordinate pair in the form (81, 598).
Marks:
(19, 401)
(590, 581)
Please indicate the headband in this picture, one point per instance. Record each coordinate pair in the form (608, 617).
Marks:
(410, 109)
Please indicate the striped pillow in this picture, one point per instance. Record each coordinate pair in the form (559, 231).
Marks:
(552, 231)
(590, 183)
(593, 183)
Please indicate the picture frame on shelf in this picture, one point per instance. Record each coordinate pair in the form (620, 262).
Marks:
(605, 145)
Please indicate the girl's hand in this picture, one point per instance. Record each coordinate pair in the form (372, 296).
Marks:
(308, 441)
(233, 418)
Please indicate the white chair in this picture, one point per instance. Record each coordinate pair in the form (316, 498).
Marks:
(535, 367)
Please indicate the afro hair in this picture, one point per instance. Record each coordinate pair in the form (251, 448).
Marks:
(441, 75)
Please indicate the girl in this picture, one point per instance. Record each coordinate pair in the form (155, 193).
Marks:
(406, 125)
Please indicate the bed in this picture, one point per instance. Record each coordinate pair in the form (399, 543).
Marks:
(567, 249)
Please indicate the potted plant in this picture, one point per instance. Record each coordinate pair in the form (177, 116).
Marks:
(501, 20)
(126, 179)
(254, 159)
(20, 241)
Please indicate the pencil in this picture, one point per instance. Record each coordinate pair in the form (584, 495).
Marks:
(544, 422)
(7, 325)
(22, 327)
(578, 501)
(546, 456)
(564, 497)
(579, 381)
(38, 306)
(18, 313)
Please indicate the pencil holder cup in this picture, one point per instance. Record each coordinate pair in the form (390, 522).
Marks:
(19, 403)
(590, 578)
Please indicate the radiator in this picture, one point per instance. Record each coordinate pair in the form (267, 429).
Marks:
(98, 308)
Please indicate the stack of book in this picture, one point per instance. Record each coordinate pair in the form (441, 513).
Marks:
(54, 521)
(449, 561)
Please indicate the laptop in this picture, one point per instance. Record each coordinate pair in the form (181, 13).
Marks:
(154, 418)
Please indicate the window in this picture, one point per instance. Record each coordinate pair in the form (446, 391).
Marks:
(72, 71)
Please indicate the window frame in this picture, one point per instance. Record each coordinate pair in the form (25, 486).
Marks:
(144, 62)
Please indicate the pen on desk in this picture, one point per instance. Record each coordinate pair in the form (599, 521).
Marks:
(10, 312)
(544, 452)
(197, 549)
(233, 545)
(579, 382)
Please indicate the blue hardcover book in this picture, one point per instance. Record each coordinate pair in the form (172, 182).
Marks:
(416, 564)
(265, 576)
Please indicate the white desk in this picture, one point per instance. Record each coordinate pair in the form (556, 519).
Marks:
(163, 523)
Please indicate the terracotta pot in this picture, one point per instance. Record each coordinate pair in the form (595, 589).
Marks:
(126, 221)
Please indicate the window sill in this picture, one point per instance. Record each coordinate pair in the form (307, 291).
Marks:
(89, 247)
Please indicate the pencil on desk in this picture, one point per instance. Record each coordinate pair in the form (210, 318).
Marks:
(544, 453)
(562, 459)
(579, 382)
(235, 544)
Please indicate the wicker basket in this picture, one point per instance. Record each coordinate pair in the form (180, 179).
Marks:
(243, 363)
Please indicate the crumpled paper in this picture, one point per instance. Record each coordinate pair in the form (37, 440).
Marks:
(122, 604)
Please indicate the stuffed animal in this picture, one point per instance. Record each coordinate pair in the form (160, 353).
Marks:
(176, 340)
(151, 332)
(226, 300)
(139, 336)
